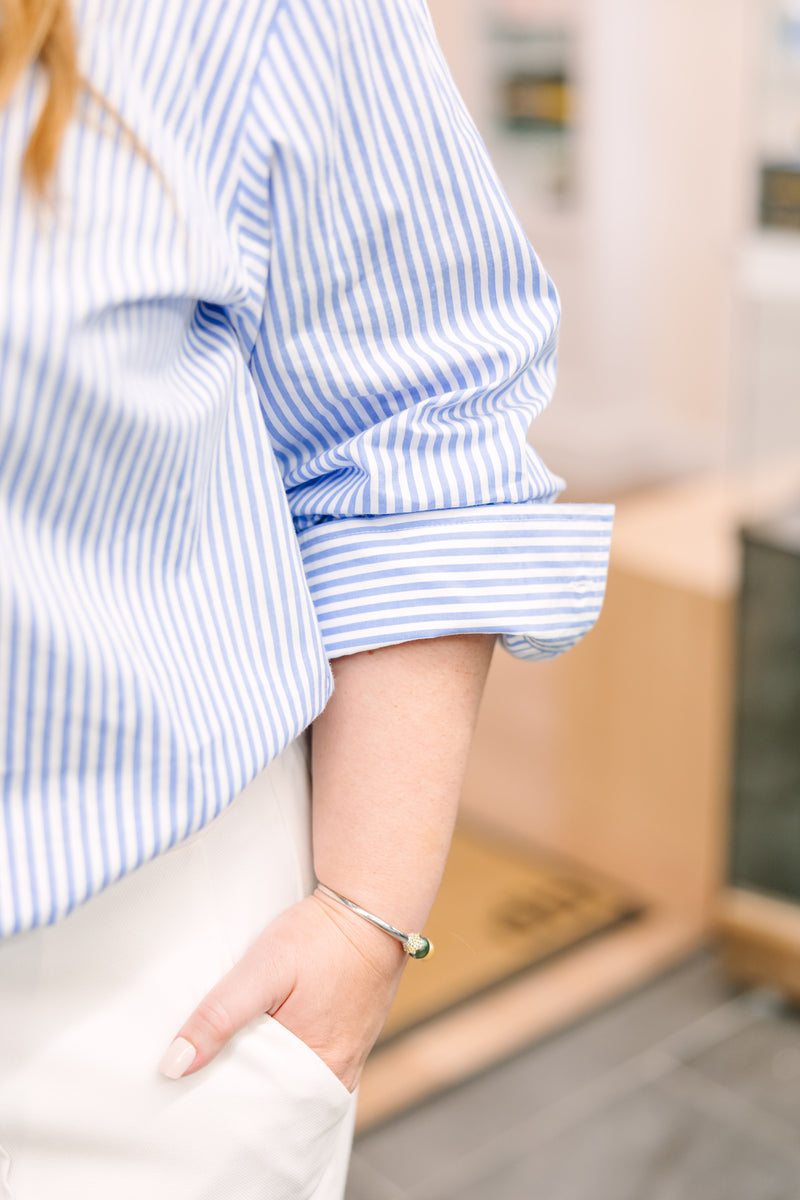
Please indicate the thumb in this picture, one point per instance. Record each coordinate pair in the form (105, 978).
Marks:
(258, 983)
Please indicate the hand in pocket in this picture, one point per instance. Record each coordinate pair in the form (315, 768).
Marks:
(324, 974)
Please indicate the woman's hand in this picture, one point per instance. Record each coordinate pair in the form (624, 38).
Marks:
(322, 971)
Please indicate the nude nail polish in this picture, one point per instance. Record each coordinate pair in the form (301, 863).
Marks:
(178, 1058)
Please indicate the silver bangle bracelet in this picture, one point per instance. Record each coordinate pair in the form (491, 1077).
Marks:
(416, 945)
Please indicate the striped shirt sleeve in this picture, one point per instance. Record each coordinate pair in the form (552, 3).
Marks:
(407, 341)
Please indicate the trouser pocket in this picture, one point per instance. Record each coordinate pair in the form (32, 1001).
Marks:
(285, 1115)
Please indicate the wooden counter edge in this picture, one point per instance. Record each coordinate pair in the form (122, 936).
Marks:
(759, 938)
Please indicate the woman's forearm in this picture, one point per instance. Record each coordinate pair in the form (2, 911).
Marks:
(389, 754)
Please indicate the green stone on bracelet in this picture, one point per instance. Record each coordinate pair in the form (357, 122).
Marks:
(418, 946)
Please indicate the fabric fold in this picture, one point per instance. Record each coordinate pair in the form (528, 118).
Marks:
(533, 573)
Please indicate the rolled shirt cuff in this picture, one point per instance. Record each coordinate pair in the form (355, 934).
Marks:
(534, 573)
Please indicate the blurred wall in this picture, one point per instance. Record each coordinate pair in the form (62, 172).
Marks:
(645, 253)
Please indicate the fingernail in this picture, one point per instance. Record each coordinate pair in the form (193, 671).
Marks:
(178, 1059)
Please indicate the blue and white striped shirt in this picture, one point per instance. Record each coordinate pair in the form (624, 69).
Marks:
(264, 394)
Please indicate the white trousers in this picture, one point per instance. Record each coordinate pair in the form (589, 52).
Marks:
(88, 1006)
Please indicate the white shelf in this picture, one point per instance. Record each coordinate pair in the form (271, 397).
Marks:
(769, 265)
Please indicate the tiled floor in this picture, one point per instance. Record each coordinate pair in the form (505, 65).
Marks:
(685, 1090)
